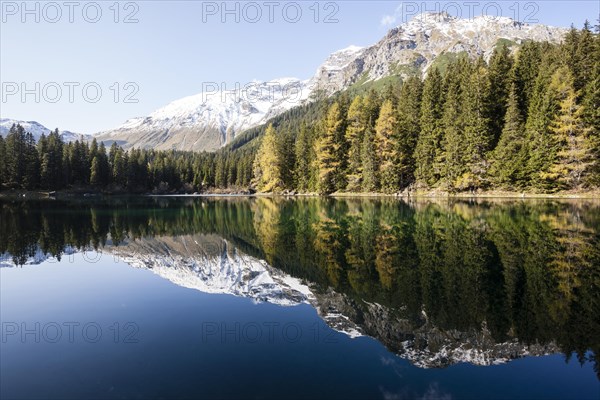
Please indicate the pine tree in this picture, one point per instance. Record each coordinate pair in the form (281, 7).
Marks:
(385, 145)
(429, 142)
(508, 164)
(268, 163)
(52, 169)
(96, 172)
(370, 178)
(285, 141)
(499, 77)
(2, 162)
(591, 109)
(302, 168)
(586, 58)
(451, 160)
(408, 128)
(574, 148)
(31, 179)
(327, 149)
(371, 103)
(104, 167)
(525, 72)
(569, 51)
(479, 136)
(357, 124)
(119, 166)
(15, 156)
(539, 149)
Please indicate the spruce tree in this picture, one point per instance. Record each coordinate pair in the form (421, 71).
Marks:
(285, 141)
(429, 142)
(525, 72)
(370, 178)
(96, 172)
(408, 129)
(539, 149)
(450, 159)
(385, 145)
(372, 103)
(15, 156)
(302, 168)
(357, 124)
(499, 77)
(31, 179)
(507, 162)
(586, 59)
(591, 109)
(2, 162)
(479, 136)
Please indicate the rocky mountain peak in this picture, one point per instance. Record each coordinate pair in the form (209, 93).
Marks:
(202, 122)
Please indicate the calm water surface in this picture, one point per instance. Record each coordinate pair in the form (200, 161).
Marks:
(301, 298)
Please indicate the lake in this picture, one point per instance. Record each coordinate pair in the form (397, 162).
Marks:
(166, 297)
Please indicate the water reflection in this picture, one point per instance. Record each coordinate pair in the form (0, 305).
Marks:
(436, 282)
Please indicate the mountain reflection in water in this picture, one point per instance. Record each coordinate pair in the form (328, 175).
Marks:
(436, 282)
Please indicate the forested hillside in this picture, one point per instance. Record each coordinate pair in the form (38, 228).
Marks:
(528, 121)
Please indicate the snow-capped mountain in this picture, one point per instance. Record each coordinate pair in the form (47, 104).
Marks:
(208, 121)
(416, 45)
(37, 129)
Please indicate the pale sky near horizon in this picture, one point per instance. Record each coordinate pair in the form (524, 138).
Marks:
(171, 49)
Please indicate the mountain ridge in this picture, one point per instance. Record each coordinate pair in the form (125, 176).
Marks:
(210, 120)
(37, 129)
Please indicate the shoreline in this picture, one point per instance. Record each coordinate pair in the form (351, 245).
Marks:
(583, 195)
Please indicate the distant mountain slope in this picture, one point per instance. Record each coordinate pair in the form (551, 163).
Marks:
(414, 47)
(210, 121)
(37, 130)
(207, 121)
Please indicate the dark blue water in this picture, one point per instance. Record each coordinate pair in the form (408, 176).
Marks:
(93, 326)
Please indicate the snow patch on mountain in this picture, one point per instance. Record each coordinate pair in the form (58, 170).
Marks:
(37, 130)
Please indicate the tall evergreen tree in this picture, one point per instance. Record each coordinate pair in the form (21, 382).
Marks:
(429, 142)
(303, 157)
(507, 159)
(2, 162)
(372, 103)
(408, 128)
(31, 179)
(586, 59)
(525, 72)
(51, 163)
(386, 149)
(501, 64)
(591, 108)
(479, 134)
(15, 156)
(451, 158)
(370, 175)
(357, 125)
(539, 148)
(285, 141)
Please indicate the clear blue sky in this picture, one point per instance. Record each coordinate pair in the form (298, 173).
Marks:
(175, 46)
